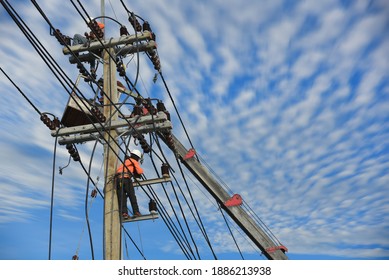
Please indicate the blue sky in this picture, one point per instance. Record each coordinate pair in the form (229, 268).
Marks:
(287, 101)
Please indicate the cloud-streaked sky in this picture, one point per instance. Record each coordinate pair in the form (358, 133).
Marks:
(287, 101)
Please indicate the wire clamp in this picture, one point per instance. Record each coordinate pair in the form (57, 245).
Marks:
(190, 154)
(235, 200)
(275, 248)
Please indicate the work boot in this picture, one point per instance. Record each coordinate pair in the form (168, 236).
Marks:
(136, 215)
(125, 216)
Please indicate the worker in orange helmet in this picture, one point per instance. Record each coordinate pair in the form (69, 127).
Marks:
(124, 184)
(87, 37)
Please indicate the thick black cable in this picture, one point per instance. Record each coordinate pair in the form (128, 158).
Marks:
(232, 235)
(185, 220)
(170, 225)
(20, 91)
(183, 215)
(53, 173)
(187, 241)
(201, 225)
(180, 238)
(179, 223)
(176, 109)
(86, 201)
(52, 199)
(182, 233)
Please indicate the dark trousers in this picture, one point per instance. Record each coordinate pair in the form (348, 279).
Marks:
(125, 188)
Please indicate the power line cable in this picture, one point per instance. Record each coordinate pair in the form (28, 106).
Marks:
(179, 236)
(181, 233)
(185, 220)
(86, 201)
(232, 235)
(21, 92)
(52, 200)
(176, 109)
(53, 172)
(199, 221)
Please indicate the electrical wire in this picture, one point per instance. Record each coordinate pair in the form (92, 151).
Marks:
(86, 201)
(52, 199)
(20, 91)
(53, 172)
(233, 237)
(180, 236)
(199, 222)
(113, 10)
(176, 109)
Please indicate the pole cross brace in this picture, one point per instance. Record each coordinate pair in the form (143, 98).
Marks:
(90, 128)
(122, 51)
(95, 45)
(123, 131)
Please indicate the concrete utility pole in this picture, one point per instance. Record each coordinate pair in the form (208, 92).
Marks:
(112, 227)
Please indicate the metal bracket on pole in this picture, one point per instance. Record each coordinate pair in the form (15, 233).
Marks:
(190, 154)
(235, 200)
(282, 248)
(138, 183)
(142, 218)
